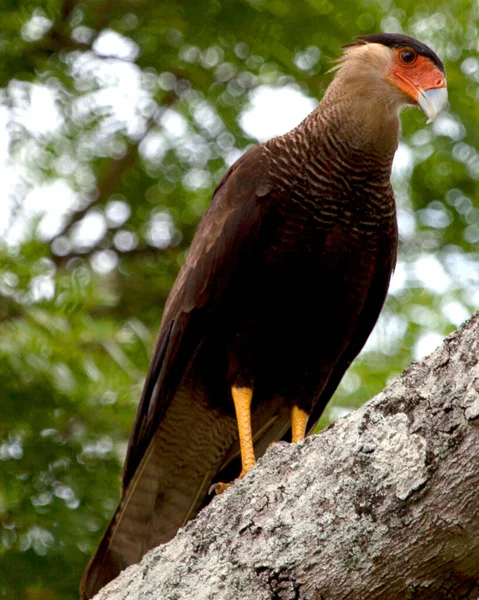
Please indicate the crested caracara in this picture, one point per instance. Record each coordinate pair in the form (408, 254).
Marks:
(283, 283)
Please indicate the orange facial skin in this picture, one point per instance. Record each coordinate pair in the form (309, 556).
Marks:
(412, 72)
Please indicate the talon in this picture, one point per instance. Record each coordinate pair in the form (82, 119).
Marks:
(276, 443)
(218, 488)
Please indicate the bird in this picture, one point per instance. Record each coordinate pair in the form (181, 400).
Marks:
(283, 283)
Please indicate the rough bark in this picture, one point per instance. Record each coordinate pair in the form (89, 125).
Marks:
(382, 504)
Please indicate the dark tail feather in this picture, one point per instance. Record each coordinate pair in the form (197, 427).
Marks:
(194, 446)
(168, 487)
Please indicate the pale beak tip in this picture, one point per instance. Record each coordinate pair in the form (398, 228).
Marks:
(432, 102)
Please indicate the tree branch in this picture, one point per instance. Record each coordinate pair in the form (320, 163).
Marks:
(381, 505)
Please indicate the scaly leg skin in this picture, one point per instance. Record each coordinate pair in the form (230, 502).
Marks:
(299, 422)
(242, 397)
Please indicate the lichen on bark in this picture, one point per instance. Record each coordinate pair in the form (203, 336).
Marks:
(383, 504)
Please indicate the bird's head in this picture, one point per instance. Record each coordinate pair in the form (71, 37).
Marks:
(398, 68)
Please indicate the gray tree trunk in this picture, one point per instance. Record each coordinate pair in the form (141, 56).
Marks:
(382, 504)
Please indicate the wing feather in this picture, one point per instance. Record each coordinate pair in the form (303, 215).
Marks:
(224, 238)
(174, 425)
(367, 320)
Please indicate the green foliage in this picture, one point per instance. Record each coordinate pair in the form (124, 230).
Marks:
(79, 311)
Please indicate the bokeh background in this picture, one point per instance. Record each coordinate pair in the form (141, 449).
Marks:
(117, 118)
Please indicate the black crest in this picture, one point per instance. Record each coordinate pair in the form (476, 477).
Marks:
(399, 40)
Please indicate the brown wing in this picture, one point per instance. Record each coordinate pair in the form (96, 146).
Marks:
(178, 442)
(369, 315)
(224, 237)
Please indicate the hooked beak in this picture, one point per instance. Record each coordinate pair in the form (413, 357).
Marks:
(432, 101)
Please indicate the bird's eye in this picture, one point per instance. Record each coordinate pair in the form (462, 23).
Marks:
(408, 56)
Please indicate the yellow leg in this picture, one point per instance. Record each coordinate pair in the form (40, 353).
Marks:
(242, 397)
(299, 422)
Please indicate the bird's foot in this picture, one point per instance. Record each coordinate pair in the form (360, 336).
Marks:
(220, 487)
(277, 443)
